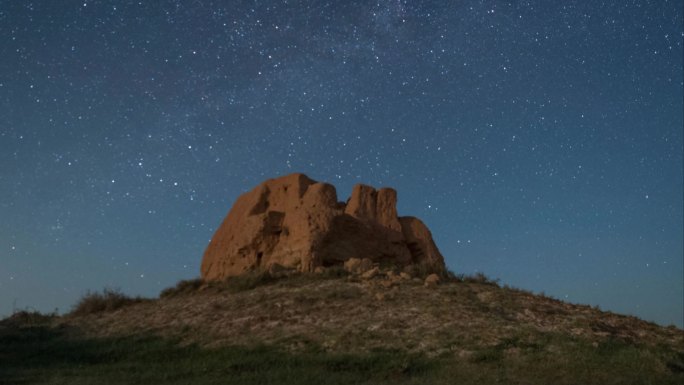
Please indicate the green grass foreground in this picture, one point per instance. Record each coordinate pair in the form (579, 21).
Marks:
(46, 355)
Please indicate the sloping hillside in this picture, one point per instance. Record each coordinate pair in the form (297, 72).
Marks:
(470, 326)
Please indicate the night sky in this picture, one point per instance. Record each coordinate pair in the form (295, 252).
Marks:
(540, 141)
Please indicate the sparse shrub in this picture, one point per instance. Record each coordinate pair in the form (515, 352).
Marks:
(28, 318)
(450, 276)
(550, 297)
(184, 287)
(479, 278)
(246, 281)
(107, 301)
(518, 290)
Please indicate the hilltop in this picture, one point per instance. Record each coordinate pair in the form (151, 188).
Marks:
(467, 328)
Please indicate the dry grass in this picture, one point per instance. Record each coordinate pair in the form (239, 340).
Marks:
(107, 301)
(28, 318)
(350, 314)
(467, 330)
(185, 287)
(478, 278)
(247, 281)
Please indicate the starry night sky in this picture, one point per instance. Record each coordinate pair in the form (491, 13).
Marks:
(540, 141)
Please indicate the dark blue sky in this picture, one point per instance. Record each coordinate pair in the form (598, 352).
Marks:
(540, 141)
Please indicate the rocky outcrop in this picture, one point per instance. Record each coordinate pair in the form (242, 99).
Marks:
(296, 222)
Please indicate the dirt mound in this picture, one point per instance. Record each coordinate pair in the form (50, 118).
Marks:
(345, 312)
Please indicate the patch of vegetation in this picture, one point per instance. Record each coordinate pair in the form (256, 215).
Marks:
(107, 301)
(561, 359)
(247, 281)
(42, 355)
(28, 318)
(184, 287)
(478, 278)
(251, 280)
(48, 356)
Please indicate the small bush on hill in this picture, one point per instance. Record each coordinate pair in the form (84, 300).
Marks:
(108, 300)
(28, 318)
(479, 278)
(183, 287)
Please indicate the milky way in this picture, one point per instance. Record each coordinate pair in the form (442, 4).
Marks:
(540, 141)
